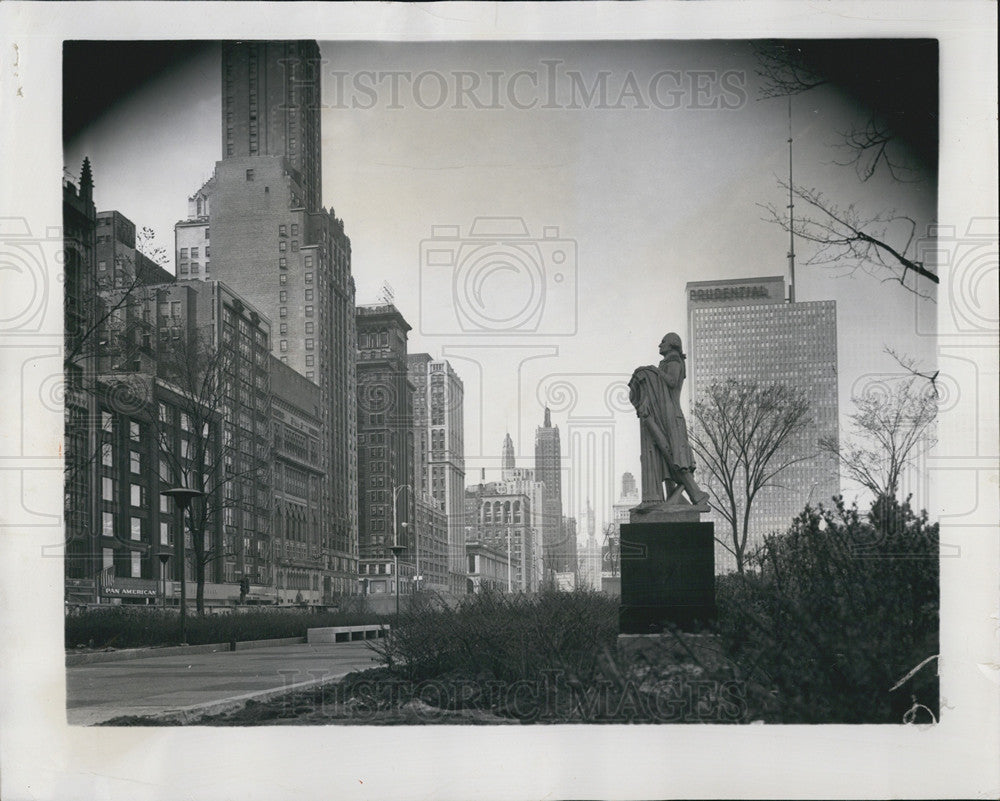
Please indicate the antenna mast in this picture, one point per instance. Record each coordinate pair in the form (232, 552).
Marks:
(386, 294)
(791, 213)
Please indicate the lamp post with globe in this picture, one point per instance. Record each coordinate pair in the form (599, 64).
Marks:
(182, 499)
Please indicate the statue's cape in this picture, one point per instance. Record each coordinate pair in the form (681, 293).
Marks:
(648, 392)
(650, 395)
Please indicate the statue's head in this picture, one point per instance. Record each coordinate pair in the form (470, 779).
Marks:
(670, 342)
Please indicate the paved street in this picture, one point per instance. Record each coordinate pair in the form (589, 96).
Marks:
(192, 683)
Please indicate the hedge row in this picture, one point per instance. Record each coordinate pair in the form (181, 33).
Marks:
(136, 626)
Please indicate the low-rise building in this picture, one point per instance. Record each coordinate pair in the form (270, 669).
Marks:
(296, 527)
(502, 521)
(488, 568)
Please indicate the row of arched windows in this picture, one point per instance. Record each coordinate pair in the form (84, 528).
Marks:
(500, 512)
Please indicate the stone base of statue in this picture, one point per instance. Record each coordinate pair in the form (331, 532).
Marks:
(667, 570)
(678, 647)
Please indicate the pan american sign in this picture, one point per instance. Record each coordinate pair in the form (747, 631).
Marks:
(113, 586)
(128, 592)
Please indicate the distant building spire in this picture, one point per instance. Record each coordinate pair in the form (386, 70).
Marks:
(548, 418)
(507, 459)
(86, 180)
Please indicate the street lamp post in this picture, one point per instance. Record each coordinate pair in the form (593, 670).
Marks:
(510, 586)
(182, 498)
(395, 497)
(404, 525)
(396, 551)
(416, 557)
(396, 548)
(164, 558)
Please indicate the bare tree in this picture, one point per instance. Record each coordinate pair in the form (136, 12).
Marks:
(878, 243)
(197, 372)
(890, 427)
(740, 433)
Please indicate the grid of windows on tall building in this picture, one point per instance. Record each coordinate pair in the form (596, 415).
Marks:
(439, 435)
(261, 215)
(385, 452)
(745, 330)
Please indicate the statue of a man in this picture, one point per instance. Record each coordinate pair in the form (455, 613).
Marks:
(665, 458)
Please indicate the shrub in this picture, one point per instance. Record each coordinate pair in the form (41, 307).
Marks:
(128, 626)
(550, 658)
(504, 637)
(841, 607)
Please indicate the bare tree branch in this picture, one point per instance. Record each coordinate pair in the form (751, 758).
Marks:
(783, 70)
(909, 364)
(873, 145)
(877, 243)
(145, 243)
(879, 140)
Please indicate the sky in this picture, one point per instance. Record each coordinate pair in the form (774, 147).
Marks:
(638, 191)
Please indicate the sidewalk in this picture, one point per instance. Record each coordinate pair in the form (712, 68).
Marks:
(186, 686)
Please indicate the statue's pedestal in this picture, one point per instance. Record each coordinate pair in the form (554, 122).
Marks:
(668, 573)
(666, 649)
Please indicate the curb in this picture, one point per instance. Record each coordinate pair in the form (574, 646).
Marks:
(187, 715)
(96, 657)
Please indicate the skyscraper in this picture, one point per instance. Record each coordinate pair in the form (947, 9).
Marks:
(270, 237)
(559, 554)
(385, 449)
(271, 107)
(744, 329)
(438, 420)
(522, 481)
(507, 454)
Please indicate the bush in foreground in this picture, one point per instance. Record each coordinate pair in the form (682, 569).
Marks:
(546, 658)
(507, 637)
(842, 607)
(838, 610)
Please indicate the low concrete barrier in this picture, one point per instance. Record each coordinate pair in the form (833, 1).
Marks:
(328, 634)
